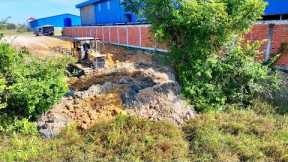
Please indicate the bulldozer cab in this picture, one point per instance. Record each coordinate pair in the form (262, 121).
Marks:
(87, 50)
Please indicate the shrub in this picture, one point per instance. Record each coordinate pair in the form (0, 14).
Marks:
(12, 125)
(32, 85)
(198, 33)
(2, 89)
(237, 136)
(9, 58)
(235, 78)
(38, 86)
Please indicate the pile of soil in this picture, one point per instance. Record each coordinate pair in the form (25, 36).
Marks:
(121, 54)
(99, 103)
(136, 88)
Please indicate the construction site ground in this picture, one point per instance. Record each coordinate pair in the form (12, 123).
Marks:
(40, 46)
(133, 82)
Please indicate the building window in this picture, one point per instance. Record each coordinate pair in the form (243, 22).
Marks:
(108, 5)
(99, 7)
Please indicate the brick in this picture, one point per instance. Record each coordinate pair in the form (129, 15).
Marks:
(147, 39)
(133, 36)
(122, 35)
(113, 35)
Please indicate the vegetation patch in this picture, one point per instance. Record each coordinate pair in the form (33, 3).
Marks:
(134, 139)
(237, 136)
(29, 86)
(214, 66)
(124, 139)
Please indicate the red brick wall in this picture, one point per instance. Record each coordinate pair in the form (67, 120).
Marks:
(140, 36)
(129, 35)
(280, 35)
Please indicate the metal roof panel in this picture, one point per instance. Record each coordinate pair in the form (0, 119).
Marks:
(87, 3)
(277, 7)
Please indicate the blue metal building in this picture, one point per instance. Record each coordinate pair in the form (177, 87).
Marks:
(277, 7)
(58, 21)
(104, 12)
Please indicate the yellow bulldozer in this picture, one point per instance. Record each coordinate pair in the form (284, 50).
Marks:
(88, 52)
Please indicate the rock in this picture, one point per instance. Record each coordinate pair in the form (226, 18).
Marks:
(106, 87)
(51, 124)
(126, 80)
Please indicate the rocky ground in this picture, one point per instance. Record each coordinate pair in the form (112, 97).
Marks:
(131, 84)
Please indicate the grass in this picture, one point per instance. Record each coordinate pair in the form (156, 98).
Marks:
(235, 135)
(124, 139)
(239, 135)
(133, 139)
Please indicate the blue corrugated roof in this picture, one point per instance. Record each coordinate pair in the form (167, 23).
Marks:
(277, 7)
(86, 3)
(65, 14)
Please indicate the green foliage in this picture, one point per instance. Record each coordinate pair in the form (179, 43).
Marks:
(235, 78)
(279, 99)
(33, 85)
(2, 89)
(12, 125)
(237, 136)
(124, 139)
(213, 67)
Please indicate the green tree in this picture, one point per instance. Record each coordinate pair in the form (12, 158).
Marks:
(203, 37)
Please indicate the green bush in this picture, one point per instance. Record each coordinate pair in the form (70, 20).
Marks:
(124, 139)
(235, 78)
(237, 136)
(212, 66)
(32, 85)
(12, 125)
(2, 89)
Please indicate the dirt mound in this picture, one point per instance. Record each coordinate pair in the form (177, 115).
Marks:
(95, 109)
(143, 89)
(122, 54)
(85, 108)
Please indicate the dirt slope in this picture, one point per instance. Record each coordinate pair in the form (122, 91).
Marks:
(39, 46)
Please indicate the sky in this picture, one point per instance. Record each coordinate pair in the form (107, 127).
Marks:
(20, 10)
